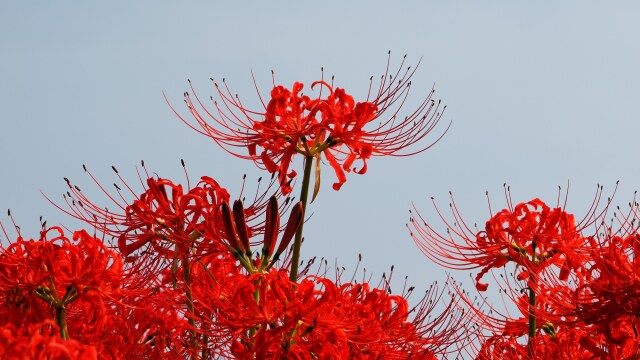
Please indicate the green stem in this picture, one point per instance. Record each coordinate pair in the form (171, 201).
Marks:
(205, 347)
(256, 297)
(186, 274)
(533, 279)
(61, 320)
(297, 242)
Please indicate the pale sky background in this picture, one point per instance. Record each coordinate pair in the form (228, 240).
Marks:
(540, 93)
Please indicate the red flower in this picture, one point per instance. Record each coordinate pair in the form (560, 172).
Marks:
(165, 219)
(334, 125)
(41, 341)
(58, 271)
(268, 316)
(611, 286)
(531, 235)
(577, 342)
(55, 278)
(606, 294)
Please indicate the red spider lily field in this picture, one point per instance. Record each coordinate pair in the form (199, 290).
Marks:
(167, 269)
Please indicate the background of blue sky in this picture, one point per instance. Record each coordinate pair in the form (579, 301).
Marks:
(539, 94)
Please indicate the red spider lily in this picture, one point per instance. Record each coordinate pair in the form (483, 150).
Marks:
(601, 293)
(166, 219)
(174, 240)
(531, 235)
(265, 315)
(175, 221)
(579, 342)
(59, 271)
(62, 280)
(611, 284)
(572, 344)
(520, 316)
(546, 247)
(605, 297)
(94, 298)
(41, 341)
(583, 342)
(336, 126)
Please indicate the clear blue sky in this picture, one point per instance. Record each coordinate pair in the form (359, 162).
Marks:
(540, 93)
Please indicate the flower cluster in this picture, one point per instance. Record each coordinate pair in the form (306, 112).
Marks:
(179, 271)
(183, 281)
(175, 271)
(574, 284)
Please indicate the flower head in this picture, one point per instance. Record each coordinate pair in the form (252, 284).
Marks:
(332, 125)
(531, 235)
(266, 315)
(41, 341)
(164, 218)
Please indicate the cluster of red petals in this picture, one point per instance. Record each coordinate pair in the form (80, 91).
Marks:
(53, 277)
(299, 320)
(569, 344)
(167, 219)
(164, 219)
(291, 125)
(583, 342)
(57, 268)
(576, 295)
(531, 235)
(235, 313)
(41, 341)
(604, 295)
(611, 284)
(333, 125)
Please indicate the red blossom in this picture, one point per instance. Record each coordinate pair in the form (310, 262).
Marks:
(266, 315)
(583, 342)
(59, 279)
(332, 125)
(164, 219)
(59, 271)
(606, 295)
(531, 235)
(41, 341)
(611, 286)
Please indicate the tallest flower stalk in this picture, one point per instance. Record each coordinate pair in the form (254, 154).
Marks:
(330, 127)
(297, 242)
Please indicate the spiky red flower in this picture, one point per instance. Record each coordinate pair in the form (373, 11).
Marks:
(611, 286)
(531, 235)
(58, 271)
(333, 125)
(41, 341)
(577, 342)
(173, 239)
(165, 219)
(59, 279)
(266, 315)
(605, 296)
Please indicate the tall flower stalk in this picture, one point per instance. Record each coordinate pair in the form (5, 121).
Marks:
(332, 126)
(297, 242)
